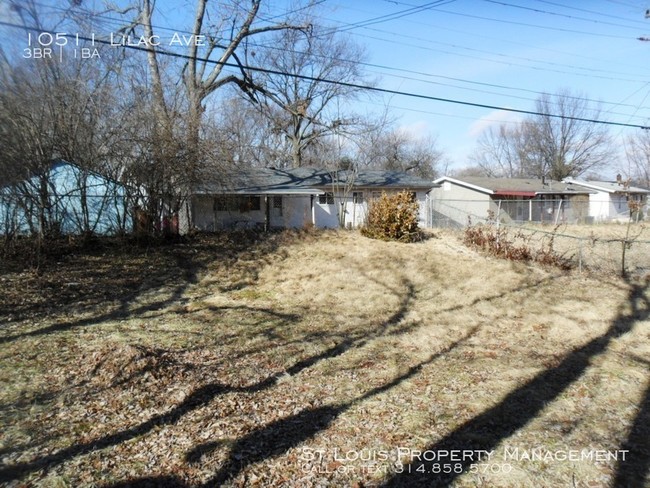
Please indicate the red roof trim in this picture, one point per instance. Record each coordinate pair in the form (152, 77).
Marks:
(513, 193)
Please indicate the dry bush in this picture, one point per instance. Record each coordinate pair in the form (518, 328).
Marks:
(393, 217)
(500, 243)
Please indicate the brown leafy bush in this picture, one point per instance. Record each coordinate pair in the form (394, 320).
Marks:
(500, 243)
(393, 217)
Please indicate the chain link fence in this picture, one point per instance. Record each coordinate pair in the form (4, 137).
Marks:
(621, 247)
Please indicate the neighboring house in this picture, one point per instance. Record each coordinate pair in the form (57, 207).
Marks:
(291, 198)
(458, 201)
(609, 199)
(68, 200)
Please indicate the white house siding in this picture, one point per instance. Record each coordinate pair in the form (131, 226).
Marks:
(325, 215)
(600, 206)
(202, 212)
(356, 213)
(604, 206)
(295, 213)
(422, 212)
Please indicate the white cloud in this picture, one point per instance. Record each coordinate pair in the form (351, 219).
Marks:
(418, 129)
(493, 119)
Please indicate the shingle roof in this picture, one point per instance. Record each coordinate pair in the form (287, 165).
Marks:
(270, 180)
(513, 186)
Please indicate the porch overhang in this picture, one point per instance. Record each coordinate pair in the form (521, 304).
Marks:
(514, 193)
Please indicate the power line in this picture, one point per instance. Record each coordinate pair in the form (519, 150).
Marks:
(588, 71)
(339, 83)
(608, 15)
(473, 49)
(557, 14)
(395, 15)
(524, 24)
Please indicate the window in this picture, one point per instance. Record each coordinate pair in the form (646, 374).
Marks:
(357, 197)
(226, 204)
(326, 199)
(233, 203)
(250, 204)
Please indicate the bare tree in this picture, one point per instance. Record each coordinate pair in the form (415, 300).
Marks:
(638, 157)
(552, 143)
(306, 86)
(241, 136)
(499, 152)
(218, 37)
(174, 130)
(561, 147)
(394, 149)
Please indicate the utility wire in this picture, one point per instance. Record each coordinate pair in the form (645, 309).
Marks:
(334, 82)
(524, 24)
(557, 14)
(608, 15)
(587, 71)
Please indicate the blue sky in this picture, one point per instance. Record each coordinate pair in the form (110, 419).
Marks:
(503, 54)
(492, 52)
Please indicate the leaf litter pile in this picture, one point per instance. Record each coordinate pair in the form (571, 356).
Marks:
(319, 359)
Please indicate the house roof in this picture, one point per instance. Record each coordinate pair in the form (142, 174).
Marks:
(521, 187)
(303, 180)
(607, 186)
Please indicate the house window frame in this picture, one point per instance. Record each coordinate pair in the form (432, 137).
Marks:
(358, 197)
(237, 203)
(326, 198)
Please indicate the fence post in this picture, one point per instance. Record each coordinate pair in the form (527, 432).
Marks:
(580, 255)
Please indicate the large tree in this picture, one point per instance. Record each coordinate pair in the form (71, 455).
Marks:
(500, 152)
(171, 130)
(218, 38)
(307, 90)
(563, 139)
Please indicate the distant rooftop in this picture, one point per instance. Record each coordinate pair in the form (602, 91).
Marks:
(515, 186)
(608, 186)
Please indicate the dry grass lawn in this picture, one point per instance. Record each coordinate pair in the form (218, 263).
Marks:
(320, 359)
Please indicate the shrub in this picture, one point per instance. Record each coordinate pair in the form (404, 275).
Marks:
(498, 242)
(393, 217)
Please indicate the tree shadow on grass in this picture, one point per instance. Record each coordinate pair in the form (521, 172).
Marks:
(176, 267)
(203, 395)
(278, 437)
(392, 325)
(485, 431)
(632, 471)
